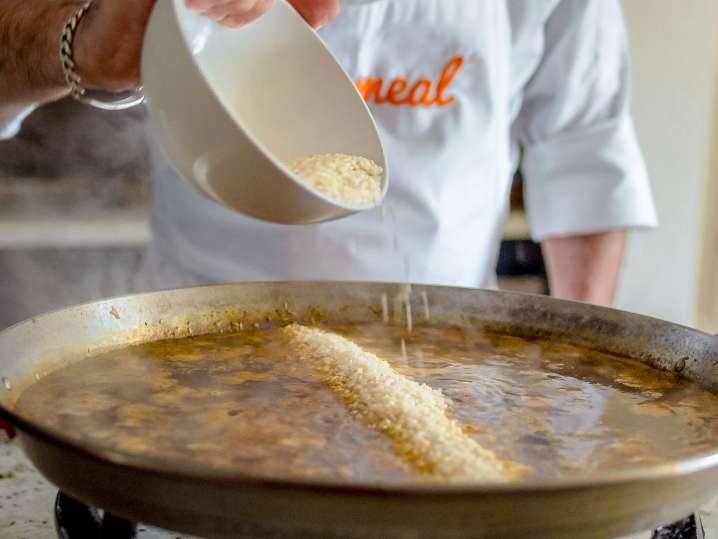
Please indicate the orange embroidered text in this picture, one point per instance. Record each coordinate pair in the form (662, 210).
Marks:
(422, 93)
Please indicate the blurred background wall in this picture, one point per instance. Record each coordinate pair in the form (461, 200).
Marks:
(672, 272)
(73, 205)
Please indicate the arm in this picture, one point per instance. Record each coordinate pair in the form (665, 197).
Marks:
(30, 71)
(108, 43)
(585, 268)
(107, 49)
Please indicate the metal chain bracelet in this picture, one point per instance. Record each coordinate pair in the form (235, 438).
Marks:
(73, 79)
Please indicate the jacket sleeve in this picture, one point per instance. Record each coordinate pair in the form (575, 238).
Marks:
(582, 164)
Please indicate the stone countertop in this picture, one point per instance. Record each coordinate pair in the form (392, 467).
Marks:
(26, 501)
(25, 497)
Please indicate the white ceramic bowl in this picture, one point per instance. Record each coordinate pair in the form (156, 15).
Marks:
(230, 107)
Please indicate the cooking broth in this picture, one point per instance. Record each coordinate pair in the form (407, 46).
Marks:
(242, 402)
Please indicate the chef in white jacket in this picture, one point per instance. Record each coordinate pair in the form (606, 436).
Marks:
(456, 88)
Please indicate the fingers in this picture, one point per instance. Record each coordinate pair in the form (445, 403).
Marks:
(317, 12)
(219, 12)
(240, 12)
(203, 5)
(231, 12)
(207, 7)
(262, 7)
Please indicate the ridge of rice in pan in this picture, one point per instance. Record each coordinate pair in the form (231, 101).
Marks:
(412, 414)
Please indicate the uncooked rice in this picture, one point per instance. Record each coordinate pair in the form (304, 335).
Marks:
(413, 415)
(347, 178)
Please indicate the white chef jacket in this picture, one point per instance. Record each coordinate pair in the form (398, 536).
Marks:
(480, 80)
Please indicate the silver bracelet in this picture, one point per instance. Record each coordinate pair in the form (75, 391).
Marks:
(77, 91)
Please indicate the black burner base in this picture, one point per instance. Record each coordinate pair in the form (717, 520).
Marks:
(688, 528)
(76, 520)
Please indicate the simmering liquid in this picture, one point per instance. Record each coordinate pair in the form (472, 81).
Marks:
(243, 403)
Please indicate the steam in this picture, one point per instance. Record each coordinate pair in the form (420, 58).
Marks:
(70, 161)
(69, 139)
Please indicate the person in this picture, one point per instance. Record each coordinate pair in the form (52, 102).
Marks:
(459, 91)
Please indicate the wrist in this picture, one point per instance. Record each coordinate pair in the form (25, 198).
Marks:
(103, 59)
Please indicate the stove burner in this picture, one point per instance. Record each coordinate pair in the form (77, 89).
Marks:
(688, 528)
(76, 520)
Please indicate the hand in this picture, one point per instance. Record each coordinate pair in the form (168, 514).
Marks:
(234, 13)
(109, 39)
